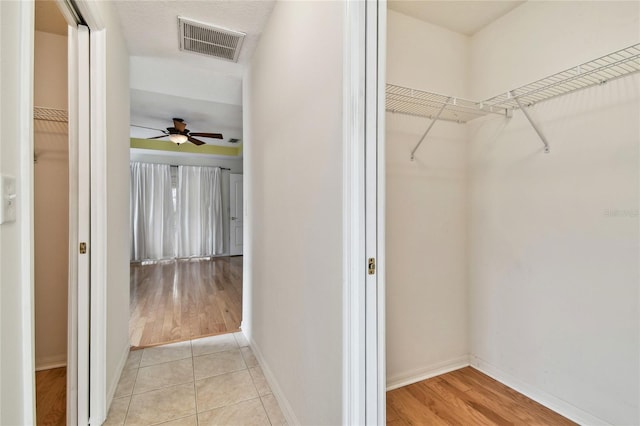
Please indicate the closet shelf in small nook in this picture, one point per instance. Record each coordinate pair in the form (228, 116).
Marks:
(419, 103)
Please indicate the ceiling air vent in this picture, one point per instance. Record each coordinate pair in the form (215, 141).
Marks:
(209, 40)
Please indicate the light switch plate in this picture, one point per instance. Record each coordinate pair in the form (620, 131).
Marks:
(8, 199)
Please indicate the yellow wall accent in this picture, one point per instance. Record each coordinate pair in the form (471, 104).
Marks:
(185, 147)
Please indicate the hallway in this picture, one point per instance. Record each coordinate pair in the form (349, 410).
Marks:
(213, 380)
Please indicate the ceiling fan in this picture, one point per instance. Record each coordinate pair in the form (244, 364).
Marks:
(179, 133)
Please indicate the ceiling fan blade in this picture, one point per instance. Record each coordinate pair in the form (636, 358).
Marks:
(158, 137)
(195, 141)
(208, 135)
(179, 124)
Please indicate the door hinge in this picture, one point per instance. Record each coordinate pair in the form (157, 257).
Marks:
(83, 248)
(372, 266)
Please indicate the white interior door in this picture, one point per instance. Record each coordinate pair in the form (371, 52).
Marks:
(79, 227)
(235, 214)
(364, 222)
(374, 211)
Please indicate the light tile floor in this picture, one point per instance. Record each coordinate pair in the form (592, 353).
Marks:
(210, 381)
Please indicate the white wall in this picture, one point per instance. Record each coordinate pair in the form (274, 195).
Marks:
(427, 327)
(293, 176)
(51, 203)
(540, 38)
(554, 237)
(235, 164)
(117, 192)
(16, 158)
(16, 280)
(50, 70)
(424, 56)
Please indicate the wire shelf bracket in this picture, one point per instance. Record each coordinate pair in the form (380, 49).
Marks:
(418, 103)
(533, 124)
(436, 107)
(433, 121)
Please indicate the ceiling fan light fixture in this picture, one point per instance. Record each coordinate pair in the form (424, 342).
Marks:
(178, 139)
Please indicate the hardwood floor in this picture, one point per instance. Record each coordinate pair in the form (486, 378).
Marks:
(465, 397)
(184, 299)
(51, 397)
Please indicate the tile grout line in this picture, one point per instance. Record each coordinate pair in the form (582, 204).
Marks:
(193, 372)
(236, 347)
(266, 412)
(244, 367)
(167, 421)
(254, 385)
(124, 422)
(126, 413)
(155, 365)
(235, 404)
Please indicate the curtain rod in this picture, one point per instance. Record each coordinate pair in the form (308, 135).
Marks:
(178, 165)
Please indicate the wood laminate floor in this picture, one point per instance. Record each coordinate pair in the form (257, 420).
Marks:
(465, 397)
(51, 397)
(184, 299)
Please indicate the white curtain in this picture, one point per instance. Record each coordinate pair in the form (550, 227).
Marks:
(199, 211)
(152, 212)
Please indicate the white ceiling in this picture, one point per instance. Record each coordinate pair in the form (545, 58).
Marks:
(166, 82)
(464, 17)
(204, 116)
(151, 27)
(207, 92)
(49, 19)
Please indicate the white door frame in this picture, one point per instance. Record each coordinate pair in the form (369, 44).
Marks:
(234, 216)
(87, 392)
(25, 206)
(364, 379)
(79, 227)
(98, 249)
(72, 299)
(375, 79)
(98, 354)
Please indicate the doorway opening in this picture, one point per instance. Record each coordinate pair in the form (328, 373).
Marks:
(186, 267)
(51, 212)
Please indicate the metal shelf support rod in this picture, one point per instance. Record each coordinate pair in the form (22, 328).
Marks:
(433, 120)
(535, 127)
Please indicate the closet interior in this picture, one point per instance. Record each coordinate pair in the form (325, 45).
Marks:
(51, 213)
(512, 193)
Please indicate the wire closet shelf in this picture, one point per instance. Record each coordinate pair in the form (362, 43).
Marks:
(599, 71)
(419, 103)
(50, 114)
(404, 100)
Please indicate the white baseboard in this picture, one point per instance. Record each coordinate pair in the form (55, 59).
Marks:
(556, 404)
(414, 376)
(287, 411)
(49, 362)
